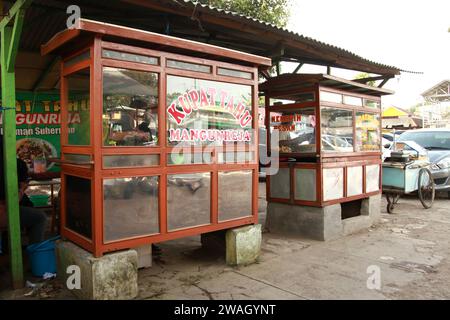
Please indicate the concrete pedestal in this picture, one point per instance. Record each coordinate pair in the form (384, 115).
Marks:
(113, 276)
(320, 223)
(145, 258)
(242, 245)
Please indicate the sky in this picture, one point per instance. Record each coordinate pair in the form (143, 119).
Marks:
(411, 35)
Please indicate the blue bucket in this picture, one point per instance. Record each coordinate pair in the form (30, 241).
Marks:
(42, 257)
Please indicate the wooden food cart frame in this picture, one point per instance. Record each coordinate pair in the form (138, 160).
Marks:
(92, 37)
(288, 87)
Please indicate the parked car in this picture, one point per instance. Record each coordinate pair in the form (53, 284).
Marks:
(437, 142)
(390, 136)
(335, 143)
(386, 147)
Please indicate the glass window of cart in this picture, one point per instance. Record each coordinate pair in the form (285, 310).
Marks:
(130, 107)
(337, 130)
(367, 132)
(296, 129)
(201, 112)
(78, 108)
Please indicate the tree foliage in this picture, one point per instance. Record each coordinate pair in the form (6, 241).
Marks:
(364, 75)
(272, 11)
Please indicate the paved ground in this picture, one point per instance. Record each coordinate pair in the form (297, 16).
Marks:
(411, 248)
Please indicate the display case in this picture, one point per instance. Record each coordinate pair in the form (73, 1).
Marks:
(157, 136)
(329, 139)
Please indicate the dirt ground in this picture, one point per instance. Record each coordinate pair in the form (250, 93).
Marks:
(410, 248)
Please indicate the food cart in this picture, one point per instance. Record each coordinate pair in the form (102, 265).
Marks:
(157, 136)
(329, 145)
(407, 171)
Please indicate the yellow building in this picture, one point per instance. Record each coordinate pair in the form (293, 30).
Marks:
(398, 118)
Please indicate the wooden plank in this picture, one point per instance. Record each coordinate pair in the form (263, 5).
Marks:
(58, 40)
(10, 162)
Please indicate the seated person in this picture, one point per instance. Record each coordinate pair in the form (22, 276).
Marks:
(33, 220)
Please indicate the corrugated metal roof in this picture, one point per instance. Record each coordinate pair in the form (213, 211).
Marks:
(295, 36)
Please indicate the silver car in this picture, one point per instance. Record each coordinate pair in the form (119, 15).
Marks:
(437, 142)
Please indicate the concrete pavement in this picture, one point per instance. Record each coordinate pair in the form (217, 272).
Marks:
(411, 248)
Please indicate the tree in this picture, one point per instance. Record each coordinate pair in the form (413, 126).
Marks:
(364, 75)
(271, 11)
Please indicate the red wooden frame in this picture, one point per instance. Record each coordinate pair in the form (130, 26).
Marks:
(323, 159)
(97, 173)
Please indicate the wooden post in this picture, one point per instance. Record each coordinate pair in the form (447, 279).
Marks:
(10, 162)
(10, 38)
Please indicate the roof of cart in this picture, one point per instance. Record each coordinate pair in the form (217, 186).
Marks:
(291, 82)
(184, 19)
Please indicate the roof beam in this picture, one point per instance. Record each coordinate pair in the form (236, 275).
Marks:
(365, 80)
(382, 83)
(17, 6)
(44, 74)
(297, 69)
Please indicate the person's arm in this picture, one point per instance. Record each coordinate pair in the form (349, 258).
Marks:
(23, 186)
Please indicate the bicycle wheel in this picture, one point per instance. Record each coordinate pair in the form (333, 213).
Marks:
(392, 199)
(426, 188)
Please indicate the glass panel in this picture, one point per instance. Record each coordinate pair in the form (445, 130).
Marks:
(130, 107)
(132, 57)
(188, 66)
(333, 184)
(299, 98)
(354, 101)
(183, 158)
(280, 102)
(354, 181)
(188, 200)
(78, 205)
(78, 108)
(203, 112)
(372, 178)
(235, 194)
(124, 161)
(79, 58)
(234, 73)
(280, 186)
(235, 157)
(297, 130)
(337, 130)
(305, 184)
(330, 97)
(372, 103)
(77, 157)
(368, 135)
(130, 207)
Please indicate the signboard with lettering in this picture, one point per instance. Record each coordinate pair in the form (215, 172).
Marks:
(38, 132)
(200, 111)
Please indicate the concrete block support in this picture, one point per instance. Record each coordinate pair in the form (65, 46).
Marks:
(111, 277)
(242, 246)
(321, 223)
(312, 222)
(145, 258)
